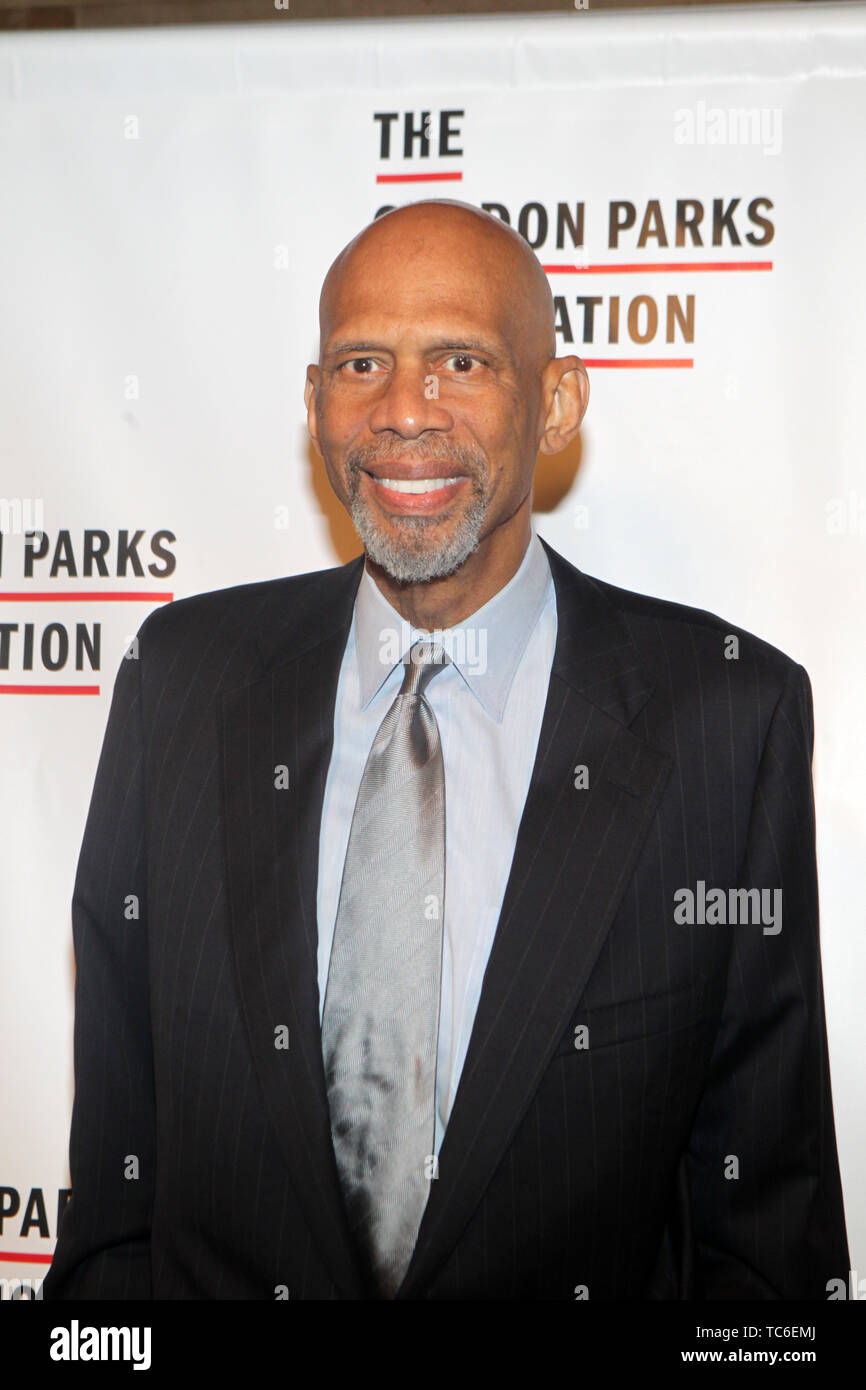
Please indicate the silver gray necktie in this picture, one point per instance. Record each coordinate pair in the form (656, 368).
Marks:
(381, 1016)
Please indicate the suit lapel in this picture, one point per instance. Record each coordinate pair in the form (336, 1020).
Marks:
(285, 720)
(575, 852)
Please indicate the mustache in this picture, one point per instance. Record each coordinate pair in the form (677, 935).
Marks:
(471, 461)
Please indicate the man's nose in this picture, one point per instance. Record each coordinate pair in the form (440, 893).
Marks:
(409, 404)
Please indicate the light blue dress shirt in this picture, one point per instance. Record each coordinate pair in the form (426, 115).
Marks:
(489, 704)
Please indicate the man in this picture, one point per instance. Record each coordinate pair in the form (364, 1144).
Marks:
(473, 950)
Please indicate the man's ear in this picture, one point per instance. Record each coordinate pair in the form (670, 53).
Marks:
(565, 389)
(312, 382)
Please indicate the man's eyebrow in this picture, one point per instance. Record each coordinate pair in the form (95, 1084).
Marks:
(337, 349)
(482, 345)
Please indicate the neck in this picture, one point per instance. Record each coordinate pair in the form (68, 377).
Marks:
(441, 603)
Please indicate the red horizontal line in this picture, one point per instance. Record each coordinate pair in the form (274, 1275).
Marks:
(49, 689)
(14, 1257)
(638, 361)
(419, 178)
(656, 267)
(86, 595)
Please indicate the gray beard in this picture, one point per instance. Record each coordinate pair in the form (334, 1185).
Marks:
(414, 556)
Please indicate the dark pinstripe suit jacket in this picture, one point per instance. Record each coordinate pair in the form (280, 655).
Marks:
(602, 1170)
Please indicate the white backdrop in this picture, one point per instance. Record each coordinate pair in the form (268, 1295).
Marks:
(171, 201)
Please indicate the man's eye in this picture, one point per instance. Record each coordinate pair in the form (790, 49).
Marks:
(360, 366)
(462, 362)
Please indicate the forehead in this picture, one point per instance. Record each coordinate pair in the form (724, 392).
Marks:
(440, 283)
(435, 322)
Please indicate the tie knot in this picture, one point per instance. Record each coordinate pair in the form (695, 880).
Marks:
(424, 659)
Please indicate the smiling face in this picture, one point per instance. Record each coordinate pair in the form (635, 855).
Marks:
(433, 390)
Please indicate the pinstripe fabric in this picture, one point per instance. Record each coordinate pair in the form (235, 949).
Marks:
(599, 1168)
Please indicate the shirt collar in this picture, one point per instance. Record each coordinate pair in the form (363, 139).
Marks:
(486, 648)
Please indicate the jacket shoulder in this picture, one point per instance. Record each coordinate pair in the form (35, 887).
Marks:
(257, 617)
(683, 649)
(663, 621)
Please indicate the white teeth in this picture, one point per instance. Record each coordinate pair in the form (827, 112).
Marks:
(416, 484)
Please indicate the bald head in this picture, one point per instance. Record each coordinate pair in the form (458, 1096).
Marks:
(440, 241)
